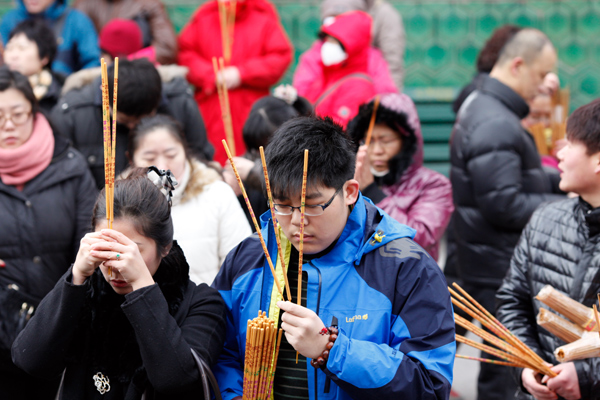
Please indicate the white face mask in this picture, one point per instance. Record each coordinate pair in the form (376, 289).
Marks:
(332, 53)
(379, 174)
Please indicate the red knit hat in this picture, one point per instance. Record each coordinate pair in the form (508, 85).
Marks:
(121, 37)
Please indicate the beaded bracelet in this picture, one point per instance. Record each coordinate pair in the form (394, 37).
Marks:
(322, 359)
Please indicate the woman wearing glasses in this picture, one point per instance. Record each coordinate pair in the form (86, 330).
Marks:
(207, 217)
(391, 173)
(46, 197)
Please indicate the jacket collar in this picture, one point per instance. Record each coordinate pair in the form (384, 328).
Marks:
(367, 229)
(505, 95)
(591, 216)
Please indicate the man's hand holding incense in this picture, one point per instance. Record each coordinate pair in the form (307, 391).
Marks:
(130, 264)
(532, 381)
(231, 76)
(566, 383)
(362, 172)
(302, 327)
(86, 262)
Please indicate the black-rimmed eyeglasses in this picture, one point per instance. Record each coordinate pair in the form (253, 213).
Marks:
(309, 210)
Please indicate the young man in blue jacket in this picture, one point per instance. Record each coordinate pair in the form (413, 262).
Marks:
(361, 269)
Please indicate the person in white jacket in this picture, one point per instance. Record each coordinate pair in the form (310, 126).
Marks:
(207, 217)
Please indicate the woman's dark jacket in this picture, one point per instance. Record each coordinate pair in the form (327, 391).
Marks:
(559, 247)
(41, 226)
(497, 181)
(141, 341)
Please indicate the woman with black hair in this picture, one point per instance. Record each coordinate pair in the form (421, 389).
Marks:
(391, 173)
(30, 49)
(267, 114)
(122, 321)
(46, 198)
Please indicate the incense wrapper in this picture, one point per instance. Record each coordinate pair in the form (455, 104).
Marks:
(559, 327)
(586, 347)
(573, 310)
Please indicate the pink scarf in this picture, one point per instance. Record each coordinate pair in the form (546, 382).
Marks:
(19, 166)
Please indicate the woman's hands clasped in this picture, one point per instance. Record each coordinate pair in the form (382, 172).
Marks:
(109, 248)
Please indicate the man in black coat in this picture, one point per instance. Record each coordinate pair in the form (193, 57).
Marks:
(560, 246)
(497, 176)
(78, 115)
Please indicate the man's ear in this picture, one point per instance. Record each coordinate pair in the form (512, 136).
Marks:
(596, 160)
(515, 65)
(167, 250)
(351, 192)
(44, 61)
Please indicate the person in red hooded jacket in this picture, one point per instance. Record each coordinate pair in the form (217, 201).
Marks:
(260, 54)
(390, 170)
(344, 58)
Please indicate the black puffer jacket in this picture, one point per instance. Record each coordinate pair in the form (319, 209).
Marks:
(559, 247)
(40, 227)
(78, 116)
(497, 181)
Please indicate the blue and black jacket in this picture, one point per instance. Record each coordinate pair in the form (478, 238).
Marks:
(390, 298)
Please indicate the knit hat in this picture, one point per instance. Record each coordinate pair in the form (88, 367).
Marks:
(121, 37)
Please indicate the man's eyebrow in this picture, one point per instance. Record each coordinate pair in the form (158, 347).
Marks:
(313, 195)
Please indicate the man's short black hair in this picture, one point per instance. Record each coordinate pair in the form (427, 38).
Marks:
(331, 156)
(584, 126)
(140, 87)
(38, 31)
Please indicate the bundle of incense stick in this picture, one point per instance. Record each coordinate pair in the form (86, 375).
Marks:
(110, 140)
(507, 347)
(274, 217)
(573, 310)
(218, 67)
(586, 347)
(541, 141)
(262, 349)
(560, 105)
(227, 23)
(372, 121)
(558, 326)
(251, 211)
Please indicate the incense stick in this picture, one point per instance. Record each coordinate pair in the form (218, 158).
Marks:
(274, 218)
(114, 141)
(251, 211)
(487, 360)
(372, 122)
(301, 244)
(224, 103)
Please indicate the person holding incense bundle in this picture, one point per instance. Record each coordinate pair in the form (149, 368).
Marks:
(363, 272)
(256, 52)
(78, 114)
(560, 246)
(46, 198)
(126, 334)
(207, 217)
(390, 169)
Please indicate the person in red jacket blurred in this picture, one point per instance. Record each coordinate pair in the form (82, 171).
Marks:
(260, 54)
(390, 170)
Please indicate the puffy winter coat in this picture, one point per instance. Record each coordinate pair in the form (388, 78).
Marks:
(310, 70)
(40, 230)
(261, 51)
(560, 246)
(420, 198)
(150, 12)
(388, 29)
(346, 85)
(78, 116)
(76, 37)
(497, 181)
(396, 339)
(141, 342)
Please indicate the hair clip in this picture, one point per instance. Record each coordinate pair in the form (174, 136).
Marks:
(164, 180)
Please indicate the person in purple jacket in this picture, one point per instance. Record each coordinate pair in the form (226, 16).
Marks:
(390, 170)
